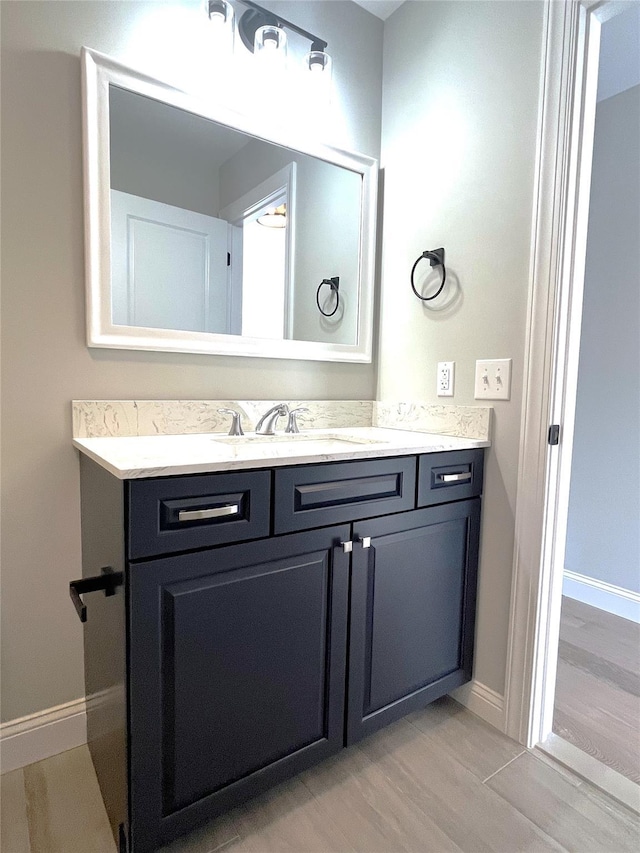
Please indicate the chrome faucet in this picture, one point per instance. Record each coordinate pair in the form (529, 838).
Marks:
(267, 423)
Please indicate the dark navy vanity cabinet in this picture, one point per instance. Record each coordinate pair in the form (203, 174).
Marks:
(260, 621)
(413, 593)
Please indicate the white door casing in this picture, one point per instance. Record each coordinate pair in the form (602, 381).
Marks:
(279, 188)
(561, 205)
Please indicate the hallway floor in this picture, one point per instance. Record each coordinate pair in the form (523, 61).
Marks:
(440, 780)
(597, 704)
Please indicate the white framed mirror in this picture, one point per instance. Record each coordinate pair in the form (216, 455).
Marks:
(209, 232)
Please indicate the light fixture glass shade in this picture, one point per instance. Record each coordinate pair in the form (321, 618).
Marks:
(317, 79)
(221, 21)
(219, 11)
(270, 44)
(319, 62)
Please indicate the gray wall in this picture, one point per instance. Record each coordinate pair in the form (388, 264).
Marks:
(45, 361)
(145, 136)
(619, 67)
(460, 88)
(603, 533)
(460, 98)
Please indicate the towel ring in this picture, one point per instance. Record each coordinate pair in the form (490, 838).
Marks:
(436, 259)
(334, 284)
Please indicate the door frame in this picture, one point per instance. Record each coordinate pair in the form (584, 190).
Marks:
(270, 192)
(569, 78)
(561, 202)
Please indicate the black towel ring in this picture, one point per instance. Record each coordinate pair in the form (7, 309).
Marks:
(334, 284)
(436, 259)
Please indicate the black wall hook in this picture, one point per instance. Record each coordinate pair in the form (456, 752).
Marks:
(436, 259)
(334, 284)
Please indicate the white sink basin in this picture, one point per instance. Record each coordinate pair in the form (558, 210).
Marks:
(327, 441)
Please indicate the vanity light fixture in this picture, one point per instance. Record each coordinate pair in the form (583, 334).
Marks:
(274, 218)
(263, 32)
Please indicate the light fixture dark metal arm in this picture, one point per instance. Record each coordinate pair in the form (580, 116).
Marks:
(258, 16)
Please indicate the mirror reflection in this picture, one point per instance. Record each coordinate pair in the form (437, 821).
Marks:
(214, 230)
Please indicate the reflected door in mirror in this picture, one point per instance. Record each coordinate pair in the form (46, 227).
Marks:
(170, 268)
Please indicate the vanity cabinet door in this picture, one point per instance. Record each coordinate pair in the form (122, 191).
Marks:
(237, 675)
(412, 612)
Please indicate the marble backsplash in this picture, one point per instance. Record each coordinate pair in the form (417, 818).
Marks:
(103, 418)
(98, 418)
(462, 421)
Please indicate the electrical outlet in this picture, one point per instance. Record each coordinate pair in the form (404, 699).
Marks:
(493, 379)
(446, 371)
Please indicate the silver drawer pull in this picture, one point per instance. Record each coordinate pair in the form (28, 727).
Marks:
(454, 478)
(212, 512)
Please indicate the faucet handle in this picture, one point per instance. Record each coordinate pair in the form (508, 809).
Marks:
(292, 423)
(236, 422)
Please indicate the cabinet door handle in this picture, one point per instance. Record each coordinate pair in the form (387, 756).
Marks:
(211, 512)
(365, 541)
(453, 478)
(347, 547)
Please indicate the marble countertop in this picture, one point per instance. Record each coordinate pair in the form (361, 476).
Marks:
(134, 457)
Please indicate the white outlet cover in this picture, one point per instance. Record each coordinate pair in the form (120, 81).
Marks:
(445, 378)
(493, 379)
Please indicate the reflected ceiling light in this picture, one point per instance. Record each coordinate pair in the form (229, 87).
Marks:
(274, 218)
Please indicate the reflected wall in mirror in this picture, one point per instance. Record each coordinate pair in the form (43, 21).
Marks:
(206, 233)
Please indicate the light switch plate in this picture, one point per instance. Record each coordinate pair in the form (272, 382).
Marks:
(446, 372)
(493, 379)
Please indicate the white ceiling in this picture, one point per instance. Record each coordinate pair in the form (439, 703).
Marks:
(380, 8)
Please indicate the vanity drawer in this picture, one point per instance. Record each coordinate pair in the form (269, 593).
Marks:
(315, 495)
(450, 476)
(181, 513)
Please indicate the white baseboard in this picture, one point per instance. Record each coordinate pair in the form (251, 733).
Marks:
(482, 701)
(41, 735)
(46, 733)
(605, 596)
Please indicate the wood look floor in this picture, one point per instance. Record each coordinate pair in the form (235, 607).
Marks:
(597, 704)
(440, 780)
